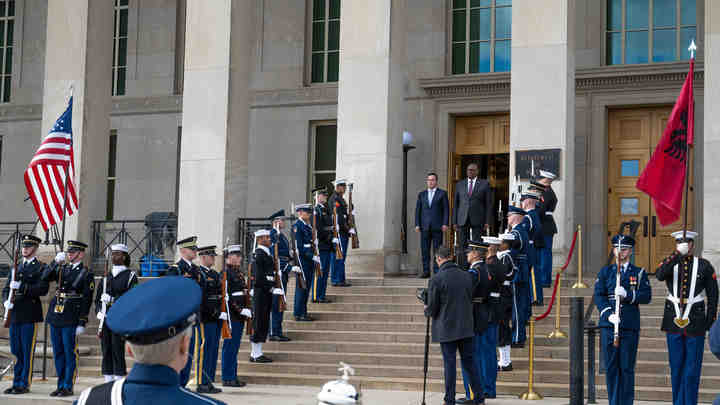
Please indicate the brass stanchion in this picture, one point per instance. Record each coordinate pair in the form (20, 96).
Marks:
(531, 394)
(579, 283)
(557, 333)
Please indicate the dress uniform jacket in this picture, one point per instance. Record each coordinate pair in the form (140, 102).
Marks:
(185, 269)
(636, 283)
(506, 299)
(324, 227)
(236, 290)
(264, 282)
(701, 317)
(74, 295)
(112, 344)
(549, 227)
(116, 286)
(28, 308)
(450, 304)
(486, 294)
(281, 240)
(212, 296)
(519, 253)
(337, 202)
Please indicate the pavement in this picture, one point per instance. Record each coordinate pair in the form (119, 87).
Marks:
(273, 395)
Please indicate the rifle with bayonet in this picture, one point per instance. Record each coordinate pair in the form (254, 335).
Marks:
(336, 234)
(282, 304)
(351, 221)
(226, 331)
(13, 276)
(103, 309)
(315, 242)
(300, 276)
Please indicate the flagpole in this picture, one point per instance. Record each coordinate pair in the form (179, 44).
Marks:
(692, 49)
(67, 176)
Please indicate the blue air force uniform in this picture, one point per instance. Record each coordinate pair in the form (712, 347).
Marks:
(324, 224)
(533, 226)
(237, 295)
(337, 204)
(151, 314)
(522, 311)
(507, 304)
(304, 242)
(68, 311)
(620, 361)
(691, 281)
(25, 314)
(283, 245)
(210, 326)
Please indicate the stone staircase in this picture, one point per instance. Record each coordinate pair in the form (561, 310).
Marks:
(378, 327)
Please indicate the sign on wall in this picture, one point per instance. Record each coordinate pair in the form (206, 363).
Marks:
(544, 159)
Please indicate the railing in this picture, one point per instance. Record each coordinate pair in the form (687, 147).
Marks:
(150, 242)
(246, 228)
(9, 231)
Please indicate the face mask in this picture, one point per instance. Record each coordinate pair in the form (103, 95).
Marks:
(683, 248)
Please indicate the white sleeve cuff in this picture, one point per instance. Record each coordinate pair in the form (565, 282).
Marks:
(603, 311)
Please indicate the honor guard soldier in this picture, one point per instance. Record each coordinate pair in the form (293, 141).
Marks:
(324, 224)
(517, 223)
(549, 228)
(263, 290)
(156, 319)
(339, 210)
(277, 237)
(507, 301)
(633, 290)
(239, 304)
(26, 312)
(530, 202)
(210, 309)
(68, 312)
(691, 281)
(186, 268)
(303, 239)
(119, 280)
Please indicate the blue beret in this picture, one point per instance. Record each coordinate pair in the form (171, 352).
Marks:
(155, 310)
(623, 241)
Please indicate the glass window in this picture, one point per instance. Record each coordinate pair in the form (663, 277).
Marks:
(1, 145)
(481, 32)
(323, 155)
(111, 178)
(325, 52)
(7, 42)
(630, 168)
(120, 48)
(643, 31)
(629, 206)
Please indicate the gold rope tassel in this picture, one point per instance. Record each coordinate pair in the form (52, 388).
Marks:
(579, 283)
(558, 333)
(531, 394)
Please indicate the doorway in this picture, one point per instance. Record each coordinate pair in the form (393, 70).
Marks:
(632, 137)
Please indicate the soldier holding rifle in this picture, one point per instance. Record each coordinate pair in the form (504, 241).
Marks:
(341, 233)
(306, 257)
(210, 312)
(262, 291)
(622, 286)
(324, 230)
(280, 244)
(237, 294)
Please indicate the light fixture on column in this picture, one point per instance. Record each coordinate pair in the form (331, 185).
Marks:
(407, 139)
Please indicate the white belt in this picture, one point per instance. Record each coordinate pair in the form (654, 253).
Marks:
(673, 297)
(506, 282)
(238, 294)
(548, 212)
(495, 295)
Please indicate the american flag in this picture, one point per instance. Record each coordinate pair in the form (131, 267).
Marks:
(45, 175)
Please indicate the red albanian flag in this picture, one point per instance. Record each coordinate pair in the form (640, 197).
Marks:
(663, 179)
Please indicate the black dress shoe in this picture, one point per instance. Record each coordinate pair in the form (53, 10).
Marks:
(65, 393)
(56, 392)
(335, 285)
(324, 301)
(537, 304)
(344, 284)
(464, 400)
(303, 319)
(506, 368)
(261, 359)
(490, 396)
(427, 275)
(20, 390)
(208, 389)
(10, 390)
(236, 383)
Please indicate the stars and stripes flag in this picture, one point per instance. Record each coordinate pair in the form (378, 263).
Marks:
(45, 175)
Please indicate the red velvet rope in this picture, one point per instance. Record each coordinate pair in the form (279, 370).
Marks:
(557, 279)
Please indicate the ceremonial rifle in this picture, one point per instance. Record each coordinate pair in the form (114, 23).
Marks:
(351, 221)
(336, 233)
(616, 331)
(282, 304)
(226, 332)
(315, 242)
(103, 309)
(13, 276)
(248, 301)
(295, 252)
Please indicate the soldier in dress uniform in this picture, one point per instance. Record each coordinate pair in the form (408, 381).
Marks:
(549, 228)
(237, 293)
(507, 301)
(530, 202)
(338, 205)
(518, 225)
(283, 246)
(210, 309)
(263, 290)
(156, 319)
(118, 282)
(634, 290)
(303, 239)
(691, 281)
(28, 286)
(324, 225)
(68, 312)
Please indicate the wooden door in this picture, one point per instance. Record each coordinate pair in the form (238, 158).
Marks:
(632, 136)
(454, 175)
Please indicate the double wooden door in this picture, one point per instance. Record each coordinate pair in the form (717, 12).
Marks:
(632, 137)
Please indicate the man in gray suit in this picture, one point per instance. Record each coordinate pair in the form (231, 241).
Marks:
(472, 210)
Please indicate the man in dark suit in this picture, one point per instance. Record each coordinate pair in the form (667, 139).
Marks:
(472, 209)
(432, 212)
(450, 305)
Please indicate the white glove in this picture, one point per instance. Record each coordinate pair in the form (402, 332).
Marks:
(60, 258)
(316, 259)
(8, 304)
(614, 319)
(620, 291)
(14, 285)
(79, 330)
(223, 316)
(277, 291)
(100, 316)
(227, 298)
(336, 241)
(352, 231)
(246, 313)
(296, 269)
(252, 292)
(354, 212)
(106, 298)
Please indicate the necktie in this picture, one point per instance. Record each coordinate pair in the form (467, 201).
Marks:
(470, 189)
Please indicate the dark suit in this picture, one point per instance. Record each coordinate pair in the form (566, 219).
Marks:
(430, 218)
(471, 212)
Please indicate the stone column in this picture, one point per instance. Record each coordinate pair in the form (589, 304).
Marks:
(78, 52)
(710, 146)
(214, 158)
(370, 126)
(543, 97)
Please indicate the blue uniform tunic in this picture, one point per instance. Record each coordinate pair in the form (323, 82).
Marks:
(303, 239)
(521, 284)
(276, 317)
(534, 228)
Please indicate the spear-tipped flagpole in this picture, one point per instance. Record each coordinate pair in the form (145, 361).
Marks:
(692, 48)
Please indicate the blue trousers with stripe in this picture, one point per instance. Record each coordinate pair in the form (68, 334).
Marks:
(320, 284)
(195, 339)
(485, 357)
(22, 345)
(301, 296)
(337, 274)
(620, 365)
(230, 349)
(536, 282)
(545, 261)
(210, 351)
(686, 356)
(64, 345)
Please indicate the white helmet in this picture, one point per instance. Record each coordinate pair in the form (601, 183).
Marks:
(339, 392)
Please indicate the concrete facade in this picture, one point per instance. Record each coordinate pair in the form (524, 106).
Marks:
(239, 87)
